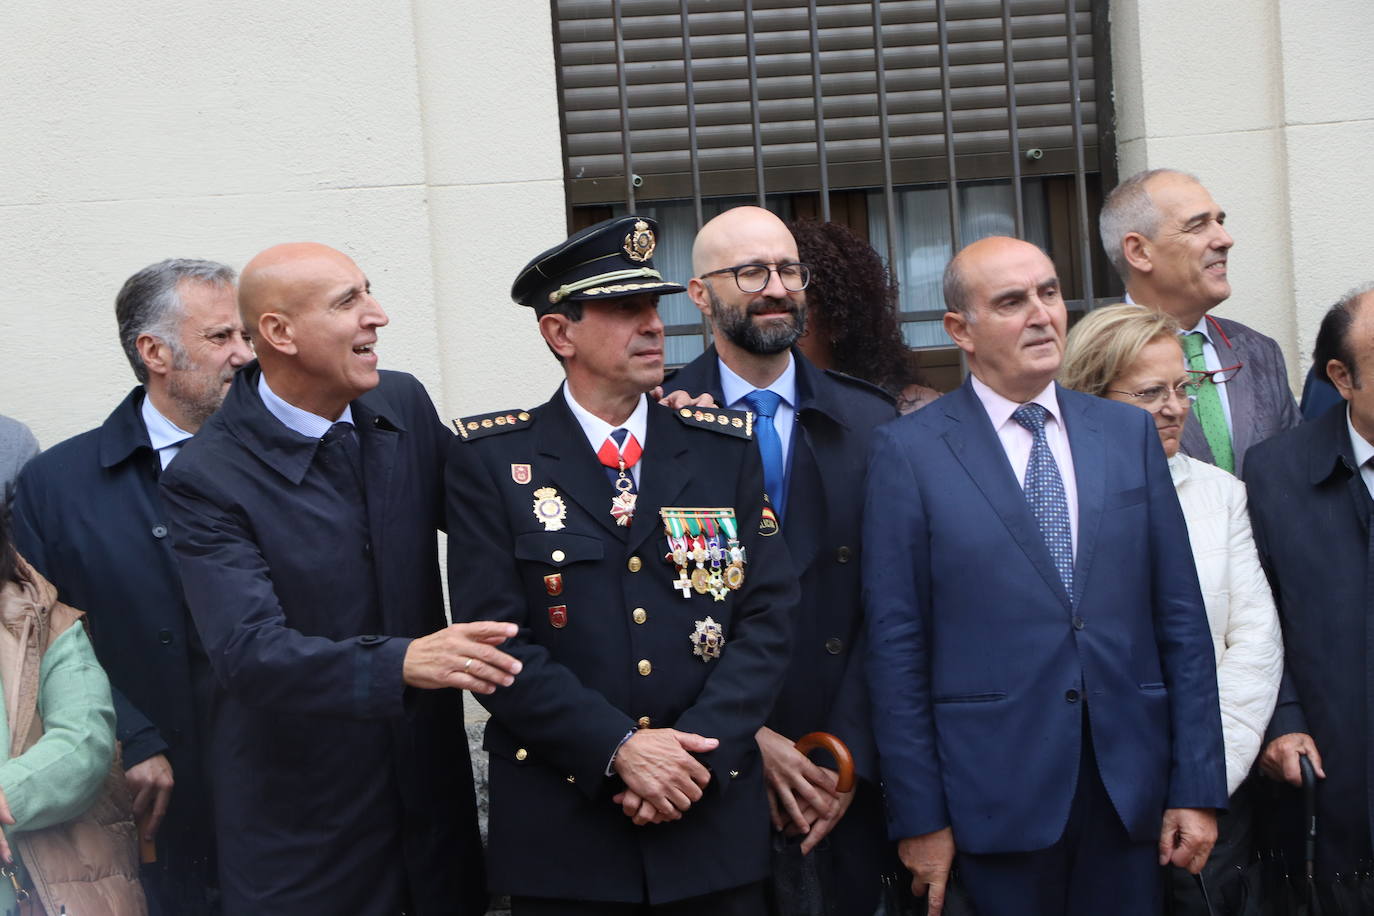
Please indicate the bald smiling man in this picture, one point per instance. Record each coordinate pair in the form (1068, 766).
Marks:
(304, 519)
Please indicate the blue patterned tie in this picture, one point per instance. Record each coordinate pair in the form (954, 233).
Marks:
(1045, 493)
(764, 404)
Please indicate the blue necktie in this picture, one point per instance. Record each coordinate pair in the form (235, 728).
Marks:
(1045, 493)
(764, 404)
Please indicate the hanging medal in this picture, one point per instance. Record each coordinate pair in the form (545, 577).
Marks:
(622, 458)
(734, 573)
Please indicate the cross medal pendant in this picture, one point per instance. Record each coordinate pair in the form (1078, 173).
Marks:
(623, 503)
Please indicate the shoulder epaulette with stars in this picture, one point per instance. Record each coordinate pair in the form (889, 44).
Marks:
(731, 422)
(487, 424)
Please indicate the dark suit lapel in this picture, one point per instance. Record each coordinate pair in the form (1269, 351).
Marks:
(573, 465)
(976, 446)
(1090, 474)
(665, 474)
(801, 526)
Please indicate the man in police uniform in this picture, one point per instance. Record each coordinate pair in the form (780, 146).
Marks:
(630, 544)
(751, 287)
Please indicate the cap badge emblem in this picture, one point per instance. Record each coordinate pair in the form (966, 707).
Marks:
(639, 244)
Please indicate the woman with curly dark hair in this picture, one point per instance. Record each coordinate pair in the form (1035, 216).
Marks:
(852, 306)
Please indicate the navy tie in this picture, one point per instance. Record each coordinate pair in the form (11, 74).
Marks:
(765, 403)
(1045, 493)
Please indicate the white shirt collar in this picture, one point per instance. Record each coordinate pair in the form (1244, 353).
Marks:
(597, 429)
(1000, 409)
(162, 432)
(732, 387)
(1202, 328)
(1359, 446)
(312, 426)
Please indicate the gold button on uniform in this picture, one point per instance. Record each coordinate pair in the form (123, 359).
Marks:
(640, 615)
(635, 564)
(734, 774)
(558, 556)
(644, 667)
(572, 778)
(521, 754)
(643, 721)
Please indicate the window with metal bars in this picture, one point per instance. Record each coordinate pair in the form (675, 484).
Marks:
(921, 124)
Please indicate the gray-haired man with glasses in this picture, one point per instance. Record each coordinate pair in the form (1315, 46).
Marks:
(812, 429)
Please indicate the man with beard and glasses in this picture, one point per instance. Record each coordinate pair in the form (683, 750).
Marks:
(812, 428)
(88, 516)
(1166, 237)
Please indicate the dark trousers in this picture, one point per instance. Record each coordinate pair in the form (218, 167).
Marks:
(747, 900)
(1094, 869)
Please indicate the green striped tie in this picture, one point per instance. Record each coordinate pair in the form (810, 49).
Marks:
(1208, 407)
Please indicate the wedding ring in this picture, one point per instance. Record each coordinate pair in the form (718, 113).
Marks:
(467, 664)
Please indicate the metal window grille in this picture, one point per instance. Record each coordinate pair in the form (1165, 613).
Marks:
(678, 106)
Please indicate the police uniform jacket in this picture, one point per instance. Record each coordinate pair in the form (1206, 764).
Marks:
(87, 515)
(606, 644)
(337, 789)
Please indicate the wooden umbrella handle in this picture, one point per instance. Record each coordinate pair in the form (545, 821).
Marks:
(843, 759)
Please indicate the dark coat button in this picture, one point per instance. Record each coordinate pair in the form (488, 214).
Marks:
(165, 637)
(1078, 623)
(159, 531)
(834, 645)
(369, 640)
(1071, 695)
(843, 554)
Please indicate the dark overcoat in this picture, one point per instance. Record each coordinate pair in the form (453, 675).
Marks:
(337, 789)
(825, 688)
(1311, 515)
(88, 516)
(606, 642)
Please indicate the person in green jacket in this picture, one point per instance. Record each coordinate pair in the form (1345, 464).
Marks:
(57, 737)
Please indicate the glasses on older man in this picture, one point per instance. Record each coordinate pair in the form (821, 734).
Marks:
(752, 278)
(1156, 395)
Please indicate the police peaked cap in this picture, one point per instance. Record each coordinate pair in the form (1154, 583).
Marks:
(611, 259)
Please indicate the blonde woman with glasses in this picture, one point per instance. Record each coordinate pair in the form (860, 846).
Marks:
(1131, 353)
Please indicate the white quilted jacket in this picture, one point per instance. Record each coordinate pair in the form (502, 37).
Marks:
(1240, 607)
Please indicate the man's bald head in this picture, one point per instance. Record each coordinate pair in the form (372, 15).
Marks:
(315, 323)
(739, 236)
(283, 277)
(966, 266)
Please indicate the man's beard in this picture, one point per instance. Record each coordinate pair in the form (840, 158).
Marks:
(198, 393)
(739, 328)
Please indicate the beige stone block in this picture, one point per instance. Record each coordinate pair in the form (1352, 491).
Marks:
(1328, 60)
(493, 356)
(1203, 67)
(162, 99)
(1330, 198)
(488, 90)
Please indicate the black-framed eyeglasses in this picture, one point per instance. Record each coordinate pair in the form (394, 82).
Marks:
(752, 278)
(1218, 376)
(1156, 395)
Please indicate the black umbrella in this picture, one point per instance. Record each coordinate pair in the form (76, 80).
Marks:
(800, 881)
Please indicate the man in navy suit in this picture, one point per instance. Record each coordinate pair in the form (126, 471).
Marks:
(822, 423)
(304, 517)
(1044, 694)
